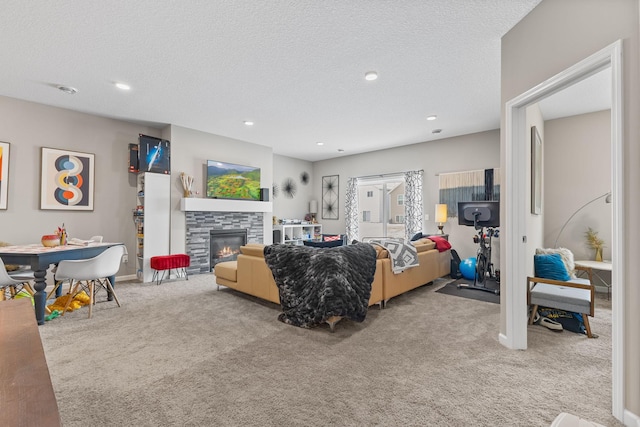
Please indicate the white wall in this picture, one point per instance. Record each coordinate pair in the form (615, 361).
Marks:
(461, 153)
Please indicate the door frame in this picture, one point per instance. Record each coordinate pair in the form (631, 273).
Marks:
(514, 307)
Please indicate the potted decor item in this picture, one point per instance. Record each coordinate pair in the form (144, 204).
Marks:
(50, 240)
(594, 242)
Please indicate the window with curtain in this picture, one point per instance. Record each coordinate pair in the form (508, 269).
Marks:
(384, 206)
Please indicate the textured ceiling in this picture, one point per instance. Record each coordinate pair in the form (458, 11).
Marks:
(296, 68)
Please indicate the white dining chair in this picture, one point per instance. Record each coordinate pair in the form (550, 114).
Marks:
(57, 288)
(91, 271)
(12, 284)
(24, 275)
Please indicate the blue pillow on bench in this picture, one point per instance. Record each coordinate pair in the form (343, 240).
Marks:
(550, 266)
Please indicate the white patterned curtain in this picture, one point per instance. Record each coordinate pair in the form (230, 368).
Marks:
(351, 209)
(413, 206)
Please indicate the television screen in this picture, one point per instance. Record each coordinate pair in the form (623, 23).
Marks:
(479, 214)
(230, 181)
(154, 155)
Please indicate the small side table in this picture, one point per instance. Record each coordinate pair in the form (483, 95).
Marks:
(596, 266)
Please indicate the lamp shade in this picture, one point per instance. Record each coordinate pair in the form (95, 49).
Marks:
(441, 213)
(313, 206)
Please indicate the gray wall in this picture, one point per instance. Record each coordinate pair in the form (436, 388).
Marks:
(115, 191)
(28, 127)
(577, 169)
(190, 151)
(550, 39)
(456, 154)
(295, 207)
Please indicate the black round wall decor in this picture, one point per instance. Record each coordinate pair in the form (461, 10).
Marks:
(289, 188)
(304, 178)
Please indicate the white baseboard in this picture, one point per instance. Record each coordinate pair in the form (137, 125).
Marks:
(502, 338)
(631, 419)
(126, 278)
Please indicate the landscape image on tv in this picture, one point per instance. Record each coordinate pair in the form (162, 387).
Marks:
(229, 181)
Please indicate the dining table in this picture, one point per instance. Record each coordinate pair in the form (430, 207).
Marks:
(40, 258)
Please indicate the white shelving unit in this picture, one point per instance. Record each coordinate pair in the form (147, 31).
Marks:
(295, 234)
(152, 218)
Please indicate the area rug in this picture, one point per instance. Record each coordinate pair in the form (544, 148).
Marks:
(451, 288)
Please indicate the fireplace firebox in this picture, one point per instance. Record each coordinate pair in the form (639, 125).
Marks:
(225, 245)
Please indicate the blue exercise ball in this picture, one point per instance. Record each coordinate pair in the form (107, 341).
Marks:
(468, 268)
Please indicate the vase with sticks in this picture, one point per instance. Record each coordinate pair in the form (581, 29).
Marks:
(594, 242)
(187, 184)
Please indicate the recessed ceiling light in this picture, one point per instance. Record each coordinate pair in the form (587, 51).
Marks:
(370, 75)
(68, 89)
(319, 143)
(123, 86)
(248, 122)
(436, 131)
(433, 117)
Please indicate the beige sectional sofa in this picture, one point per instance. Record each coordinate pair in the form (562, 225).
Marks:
(433, 264)
(251, 275)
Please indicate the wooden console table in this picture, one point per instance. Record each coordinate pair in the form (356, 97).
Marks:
(26, 393)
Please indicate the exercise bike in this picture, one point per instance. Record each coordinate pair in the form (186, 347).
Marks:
(484, 266)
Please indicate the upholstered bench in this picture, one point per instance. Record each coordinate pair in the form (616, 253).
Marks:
(166, 263)
(575, 295)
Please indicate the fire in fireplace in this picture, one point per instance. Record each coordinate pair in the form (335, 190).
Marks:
(225, 245)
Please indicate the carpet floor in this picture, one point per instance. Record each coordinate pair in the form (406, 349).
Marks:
(186, 354)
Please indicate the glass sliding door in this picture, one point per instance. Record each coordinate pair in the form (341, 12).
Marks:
(381, 207)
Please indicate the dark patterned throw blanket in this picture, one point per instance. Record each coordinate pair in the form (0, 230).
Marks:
(403, 255)
(317, 283)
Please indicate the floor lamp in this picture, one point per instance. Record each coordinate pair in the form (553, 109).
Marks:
(607, 199)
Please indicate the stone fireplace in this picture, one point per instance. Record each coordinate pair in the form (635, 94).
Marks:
(224, 245)
(200, 224)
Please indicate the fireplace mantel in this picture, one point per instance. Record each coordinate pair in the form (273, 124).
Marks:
(194, 204)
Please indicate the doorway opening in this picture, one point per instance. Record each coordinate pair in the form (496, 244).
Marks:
(515, 265)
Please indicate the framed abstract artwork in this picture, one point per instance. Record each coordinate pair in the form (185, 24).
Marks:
(330, 186)
(4, 174)
(536, 172)
(67, 180)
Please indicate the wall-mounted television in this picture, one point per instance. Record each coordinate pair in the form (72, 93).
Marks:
(479, 214)
(154, 155)
(231, 181)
